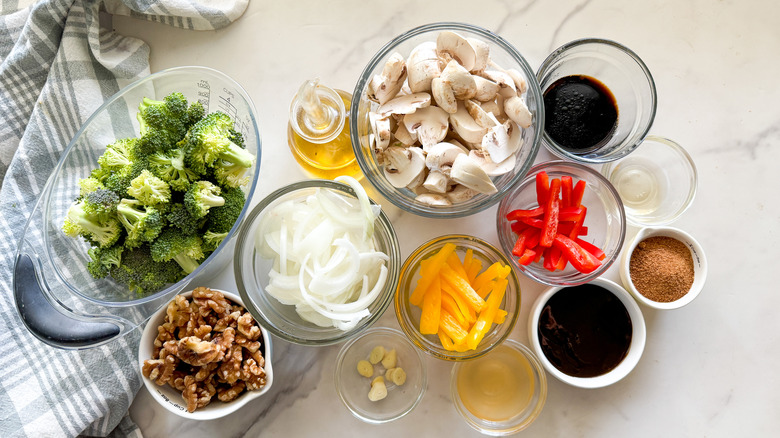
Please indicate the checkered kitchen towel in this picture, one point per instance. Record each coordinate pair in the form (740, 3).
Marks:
(57, 65)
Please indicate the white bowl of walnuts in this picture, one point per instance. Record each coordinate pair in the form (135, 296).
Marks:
(203, 356)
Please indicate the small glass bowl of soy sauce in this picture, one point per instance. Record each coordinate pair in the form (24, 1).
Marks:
(599, 99)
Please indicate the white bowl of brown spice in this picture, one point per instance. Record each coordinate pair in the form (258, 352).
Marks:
(663, 267)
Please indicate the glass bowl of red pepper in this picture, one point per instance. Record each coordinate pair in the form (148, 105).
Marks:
(457, 297)
(563, 225)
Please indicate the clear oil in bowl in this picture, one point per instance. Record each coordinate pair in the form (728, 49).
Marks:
(318, 132)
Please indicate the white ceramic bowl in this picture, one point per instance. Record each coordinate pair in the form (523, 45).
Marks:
(699, 266)
(172, 400)
(635, 349)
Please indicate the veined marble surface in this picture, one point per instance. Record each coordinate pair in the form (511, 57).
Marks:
(709, 369)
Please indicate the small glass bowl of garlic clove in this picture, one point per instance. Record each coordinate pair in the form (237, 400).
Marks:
(380, 376)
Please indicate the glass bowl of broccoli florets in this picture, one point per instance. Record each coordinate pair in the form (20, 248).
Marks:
(152, 189)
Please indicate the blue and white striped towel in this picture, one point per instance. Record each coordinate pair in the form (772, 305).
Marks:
(57, 65)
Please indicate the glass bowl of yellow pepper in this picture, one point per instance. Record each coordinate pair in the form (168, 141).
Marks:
(457, 298)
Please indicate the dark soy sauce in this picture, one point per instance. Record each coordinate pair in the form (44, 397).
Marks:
(585, 331)
(580, 111)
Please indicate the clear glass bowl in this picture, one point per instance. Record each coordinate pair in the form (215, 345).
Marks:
(409, 315)
(251, 271)
(657, 182)
(624, 74)
(505, 55)
(353, 388)
(61, 261)
(606, 220)
(519, 365)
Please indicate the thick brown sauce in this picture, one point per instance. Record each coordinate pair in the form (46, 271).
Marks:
(580, 111)
(585, 331)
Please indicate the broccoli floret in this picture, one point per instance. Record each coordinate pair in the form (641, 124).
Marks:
(143, 224)
(185, 249)
(221, 219)
(168, 115)
(118, 154)
(101, 203)
(90, 184)
(201, 196)
(103, 232)
(237, 138)
(103, 260)
(228, 174)
(142, 274)
(194, 113)
(170, 167)
(209, 140)
(118, 181)
(212, 240)
(149, 189)
(179, 217)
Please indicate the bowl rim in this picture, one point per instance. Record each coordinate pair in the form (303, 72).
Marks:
(219, 410)
(699, 263)
(244, 240)
(499, 428)
(455, 210)
(621, 213)
(553, 146)
(635, 349)
(249, 191)
(401, 338)
(414, 335)
(686, 158)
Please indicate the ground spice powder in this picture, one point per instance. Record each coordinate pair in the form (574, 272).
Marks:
(661, 269)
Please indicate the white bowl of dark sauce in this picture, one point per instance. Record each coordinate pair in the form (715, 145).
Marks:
(589, 336)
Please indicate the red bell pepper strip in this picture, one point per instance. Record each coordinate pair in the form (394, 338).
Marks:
(550, 228)
(581, 259)
(575, 231)
(528, 256)
(542, 187)
(522, 241)
(515, 215)
(536, 223)
(518, 227)
(569, 213)
(576, 193)
(547, 260)
(566, 191)
(591, 248)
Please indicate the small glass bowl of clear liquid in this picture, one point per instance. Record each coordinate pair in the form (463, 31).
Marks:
(656, 182)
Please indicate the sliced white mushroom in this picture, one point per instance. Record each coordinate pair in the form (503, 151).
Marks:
(465, 125)
(386, 85)
(405, 104)
(422, 66)
(443, 95)
(492, 169)
(517, 111)
(433, 199)
(486, 89)
(520, 83)
(417, 182)
(403, 165)
(441, 155)
(461, 81)
(501, 78)
(460, 193)
(482, 54)
(380, 126)
(467, 172)
(436, 182)
(457, 47)
(429, 123)
(502, 141)
(492, 107)
(482, 117)
(404, 136)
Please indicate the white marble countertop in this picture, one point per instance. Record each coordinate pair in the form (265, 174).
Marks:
(708, 369)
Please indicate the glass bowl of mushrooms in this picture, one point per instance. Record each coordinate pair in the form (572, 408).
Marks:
(445, 119)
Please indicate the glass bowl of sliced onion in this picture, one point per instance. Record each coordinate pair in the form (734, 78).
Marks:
(317, 261)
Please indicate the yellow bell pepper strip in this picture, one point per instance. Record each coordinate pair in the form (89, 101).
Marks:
(462, 286)
(436, 262)
(474, 269)
(467, 259)
(469, 314)
(445, 340)
(449, 325)
(486, 317)
(453, 261)
(494, 271)
(448, 303)
(500, 316)
(431, 309)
